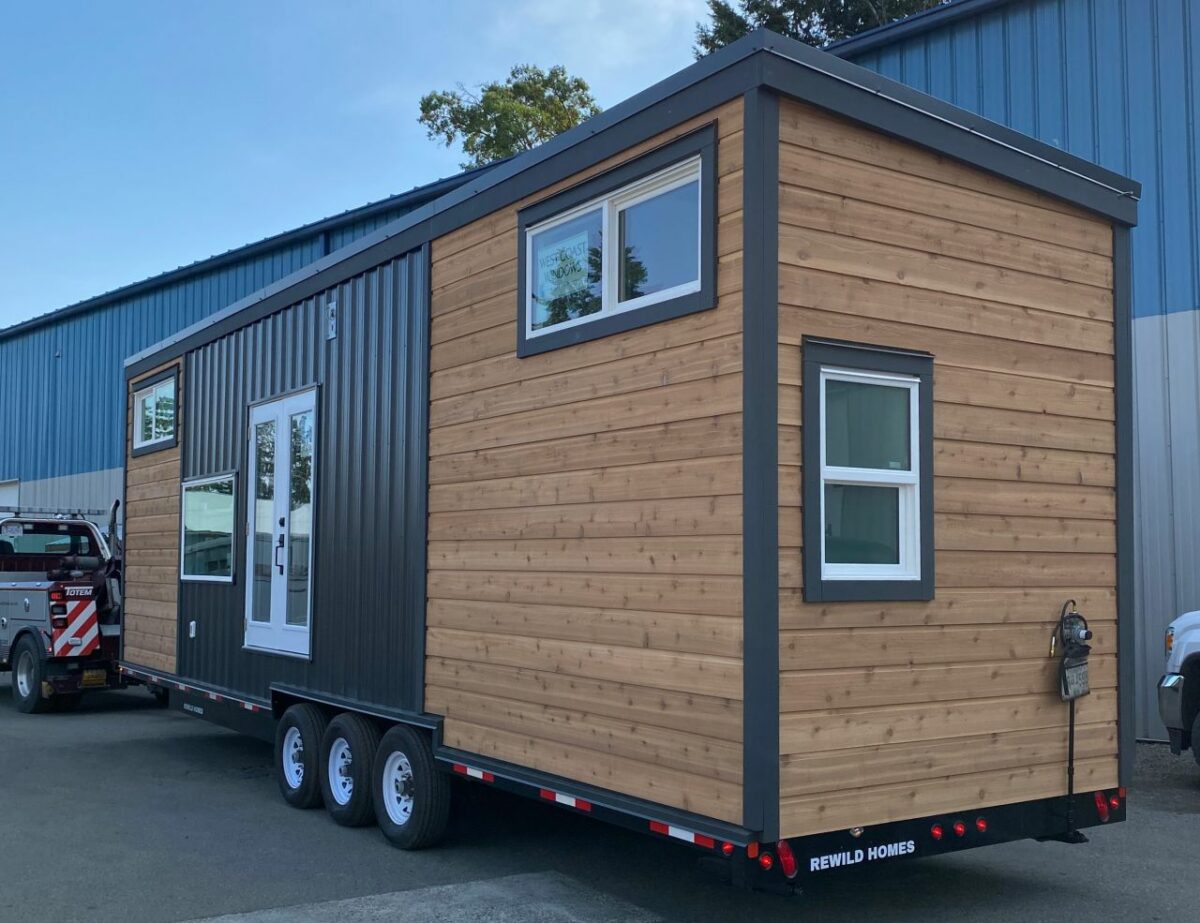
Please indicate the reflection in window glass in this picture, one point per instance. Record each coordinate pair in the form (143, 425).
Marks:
(866, 426)
(208, 518)
(660, 242)
(155, 414)
(264, 520)
(565, 269)
(300, 483)
(862, 524)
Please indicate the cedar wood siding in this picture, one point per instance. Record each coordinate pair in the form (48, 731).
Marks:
(899, 710)
(150, 609)
(585, 525)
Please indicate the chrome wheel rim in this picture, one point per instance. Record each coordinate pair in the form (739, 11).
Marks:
(25, 675)
(341, 784)
(398, 788)
(293, 757)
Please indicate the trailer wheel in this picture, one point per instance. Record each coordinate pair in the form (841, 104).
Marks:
(1196, 738)
(347, 758)
(297, 754)
(412, 799)
(28, 671)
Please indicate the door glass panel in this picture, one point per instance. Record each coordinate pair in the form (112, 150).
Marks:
(300, 482)
(862, 524)
(264, 520)
(866, 426)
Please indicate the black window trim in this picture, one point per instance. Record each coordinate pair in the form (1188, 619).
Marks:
(822, 353)
(141, 385)
(703, 142)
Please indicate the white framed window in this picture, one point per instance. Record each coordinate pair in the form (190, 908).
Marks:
(870, 476)
(154, 414)
(207, 540)
(867, 444)
(630, 247)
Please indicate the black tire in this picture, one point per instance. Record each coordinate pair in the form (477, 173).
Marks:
(28, 671)
(360, 737)
(300, 784)
(429, 790)
(1196, 738)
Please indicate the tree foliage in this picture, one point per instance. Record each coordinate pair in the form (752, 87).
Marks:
(817, 22)
(499, 119)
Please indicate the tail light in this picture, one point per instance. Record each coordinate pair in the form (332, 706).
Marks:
(58, 596)
(787, 859)
(766, 861)
(752, 850)
(960, 829)
(981, 824)
(937, 832)
(727, 849)
(1102, 807)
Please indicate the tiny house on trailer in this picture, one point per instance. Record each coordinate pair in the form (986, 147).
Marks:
(720, 468)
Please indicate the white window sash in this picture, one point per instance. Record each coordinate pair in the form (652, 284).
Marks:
(611, 206)
(203, 482)
(154, 392)
(906, 482)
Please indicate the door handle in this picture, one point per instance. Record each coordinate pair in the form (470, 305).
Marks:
(279, 548)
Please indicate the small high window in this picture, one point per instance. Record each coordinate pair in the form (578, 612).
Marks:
(208, 520)
(631, 247)
(154, 414)
(867, 466)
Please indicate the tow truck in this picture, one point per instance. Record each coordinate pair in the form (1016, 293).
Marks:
(60, 608)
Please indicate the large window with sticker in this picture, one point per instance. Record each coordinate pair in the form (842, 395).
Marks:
(631, 247)
(867, 472)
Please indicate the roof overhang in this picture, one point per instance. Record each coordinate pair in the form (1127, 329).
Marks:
(761, 59)
(933, 18)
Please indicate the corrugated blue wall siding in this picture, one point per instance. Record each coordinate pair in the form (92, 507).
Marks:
(61, 384)
(1112, 81)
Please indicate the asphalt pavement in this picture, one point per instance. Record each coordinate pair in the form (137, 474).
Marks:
(121, 810)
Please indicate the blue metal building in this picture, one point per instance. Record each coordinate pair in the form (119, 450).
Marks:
(1115, 82)
(61, 416)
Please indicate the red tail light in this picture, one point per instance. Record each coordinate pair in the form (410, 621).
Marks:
(1102, 807)
(1121, 793)
(1114, 802)
(58, 596)
(960, 829)
(981, 824)
(752, 850)
(787, 859)
(727, 849)
(767, 861)
(937, 832)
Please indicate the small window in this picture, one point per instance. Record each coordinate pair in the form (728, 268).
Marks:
(629, 248)
(867, 473)
(154, 415)
(208, 518)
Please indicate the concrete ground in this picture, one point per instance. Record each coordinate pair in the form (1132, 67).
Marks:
(124, 811)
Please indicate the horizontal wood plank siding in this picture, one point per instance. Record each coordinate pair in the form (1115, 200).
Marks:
(897, 710)
(151, 605)
(585, 527)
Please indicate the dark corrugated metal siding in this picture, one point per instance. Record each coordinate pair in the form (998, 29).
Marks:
(371, 380)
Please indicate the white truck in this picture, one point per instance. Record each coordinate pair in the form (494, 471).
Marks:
(1179, 689)
(60, 610)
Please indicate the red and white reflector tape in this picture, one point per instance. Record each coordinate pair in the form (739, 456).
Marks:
(569, 800)
(688, 836)
(473, 773)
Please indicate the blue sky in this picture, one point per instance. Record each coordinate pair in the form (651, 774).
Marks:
(140, 136)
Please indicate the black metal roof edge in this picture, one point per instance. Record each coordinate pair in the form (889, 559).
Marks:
(1107, 193)
(416, 196)
(933, 18)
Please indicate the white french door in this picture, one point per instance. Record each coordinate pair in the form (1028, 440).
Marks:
(279, 503)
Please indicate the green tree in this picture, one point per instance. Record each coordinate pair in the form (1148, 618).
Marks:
(817, 22)
(499, 119)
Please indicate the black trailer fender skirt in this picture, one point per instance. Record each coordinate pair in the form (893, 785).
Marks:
(623, 810)
(235, 711)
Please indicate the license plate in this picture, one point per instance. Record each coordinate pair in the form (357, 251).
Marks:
(1075, 681)
(94, 678)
